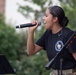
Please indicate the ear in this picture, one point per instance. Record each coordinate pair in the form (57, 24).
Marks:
(55, 19)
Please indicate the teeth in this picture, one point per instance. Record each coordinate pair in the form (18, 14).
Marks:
(44, 22)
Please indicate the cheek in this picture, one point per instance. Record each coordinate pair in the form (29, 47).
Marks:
(49, 24)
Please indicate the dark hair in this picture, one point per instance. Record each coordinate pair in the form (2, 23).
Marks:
(57, 11)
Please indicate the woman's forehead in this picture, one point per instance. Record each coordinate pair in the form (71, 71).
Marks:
(47, 11)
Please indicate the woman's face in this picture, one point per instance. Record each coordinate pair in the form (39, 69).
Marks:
(48, 20)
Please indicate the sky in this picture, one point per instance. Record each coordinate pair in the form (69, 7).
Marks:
(12, 14)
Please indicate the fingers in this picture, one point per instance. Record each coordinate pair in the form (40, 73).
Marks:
(33, 28)
(35, 22)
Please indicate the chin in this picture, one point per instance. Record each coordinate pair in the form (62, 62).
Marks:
(47, 27)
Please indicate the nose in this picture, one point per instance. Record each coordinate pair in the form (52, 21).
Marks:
(44, 18)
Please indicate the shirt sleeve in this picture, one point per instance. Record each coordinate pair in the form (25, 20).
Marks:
(72, 47)
(41, 40)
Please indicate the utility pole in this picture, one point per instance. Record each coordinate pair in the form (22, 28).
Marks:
(2, 7)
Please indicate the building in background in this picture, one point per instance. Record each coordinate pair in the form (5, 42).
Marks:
(2, 6)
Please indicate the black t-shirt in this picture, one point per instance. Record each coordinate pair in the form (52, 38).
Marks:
(53, 43)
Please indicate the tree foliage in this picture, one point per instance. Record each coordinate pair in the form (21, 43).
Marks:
(9, 42)
(70, 10)
(31, 5)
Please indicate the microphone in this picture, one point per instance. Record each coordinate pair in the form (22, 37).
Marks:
(27, 25)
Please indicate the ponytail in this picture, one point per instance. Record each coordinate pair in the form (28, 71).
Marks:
(64, 22)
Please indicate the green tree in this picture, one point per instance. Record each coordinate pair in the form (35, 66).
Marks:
(70, 10)
(31, 7)
(9, 42)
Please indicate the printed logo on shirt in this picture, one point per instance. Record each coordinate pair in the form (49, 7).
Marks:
(59, 45)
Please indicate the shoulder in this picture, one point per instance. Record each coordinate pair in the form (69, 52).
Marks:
(67, 31)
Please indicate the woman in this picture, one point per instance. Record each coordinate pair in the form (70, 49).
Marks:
(53, 40)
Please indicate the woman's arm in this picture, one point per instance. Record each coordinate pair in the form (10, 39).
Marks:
(74, 55)
(32, 48)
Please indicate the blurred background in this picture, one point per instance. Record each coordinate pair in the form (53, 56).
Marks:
(13, 41)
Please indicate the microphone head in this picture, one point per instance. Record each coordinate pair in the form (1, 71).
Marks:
(39, 23)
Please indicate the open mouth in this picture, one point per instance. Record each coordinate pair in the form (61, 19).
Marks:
(44, 22)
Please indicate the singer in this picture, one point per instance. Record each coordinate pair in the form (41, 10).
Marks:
(53, 39)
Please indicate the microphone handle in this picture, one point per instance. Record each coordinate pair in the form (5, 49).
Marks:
(25, 25)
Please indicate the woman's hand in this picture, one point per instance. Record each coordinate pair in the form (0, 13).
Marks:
(33, 28)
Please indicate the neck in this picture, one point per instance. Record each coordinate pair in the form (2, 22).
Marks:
(56, 29)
